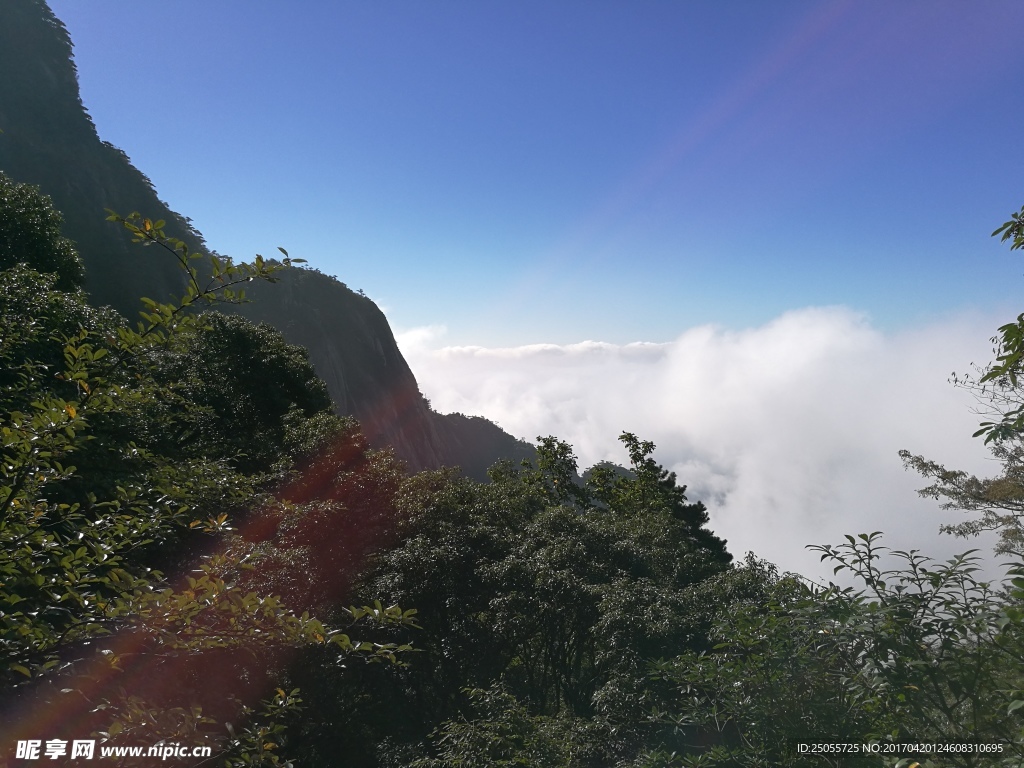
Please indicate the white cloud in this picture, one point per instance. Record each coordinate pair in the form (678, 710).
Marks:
(789, 432)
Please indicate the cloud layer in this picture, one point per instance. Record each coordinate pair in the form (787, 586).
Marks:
(789, 432)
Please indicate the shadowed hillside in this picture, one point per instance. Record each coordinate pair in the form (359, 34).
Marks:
(49, 139)
(354, 351)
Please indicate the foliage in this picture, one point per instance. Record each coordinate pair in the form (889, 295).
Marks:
(504, 732)
(30, 233)
(241, 382)
(554, 590)
(1009, 352)
(129, 456)
(999, 500)
(311, 542)
(922, 652)
(1012, 230)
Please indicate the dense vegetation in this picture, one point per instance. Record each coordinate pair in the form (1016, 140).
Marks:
(133, 460)
(188, 533)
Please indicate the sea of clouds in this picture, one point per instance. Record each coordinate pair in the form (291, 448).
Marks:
(789, 432)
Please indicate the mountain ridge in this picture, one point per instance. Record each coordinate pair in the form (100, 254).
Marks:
(50, 140)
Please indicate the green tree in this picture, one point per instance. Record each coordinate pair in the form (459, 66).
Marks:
(555, 590)
(920, 652)
(997, 503)
(1009, 351)
(504, 732)
(118, 462)
(30, 233)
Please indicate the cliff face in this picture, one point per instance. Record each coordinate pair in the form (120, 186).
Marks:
(354, 352)
(48, 139)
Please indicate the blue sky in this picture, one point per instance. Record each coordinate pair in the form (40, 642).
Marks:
(524, 172)
(788, 203)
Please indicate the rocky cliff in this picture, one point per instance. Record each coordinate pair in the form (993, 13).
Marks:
(49, 139)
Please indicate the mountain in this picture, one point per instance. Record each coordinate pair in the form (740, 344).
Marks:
(49, 140)
(353, 350)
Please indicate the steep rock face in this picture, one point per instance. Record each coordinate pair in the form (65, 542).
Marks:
(354, 352)
(48, 139)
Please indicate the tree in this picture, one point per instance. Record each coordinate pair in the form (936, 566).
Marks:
(547, 597)
(30, 234)
(1009, 353)
(504, 732)
(917, 653)
(998, 501)
(118, 463)
(231, 385)
(998, 390)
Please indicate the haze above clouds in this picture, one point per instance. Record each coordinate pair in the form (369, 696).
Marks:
(788, 431)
